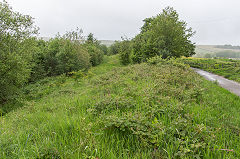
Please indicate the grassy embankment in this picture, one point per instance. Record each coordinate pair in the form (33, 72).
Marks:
(138, 111)
(224, 67)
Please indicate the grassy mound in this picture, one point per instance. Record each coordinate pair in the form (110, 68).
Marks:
(138, 111)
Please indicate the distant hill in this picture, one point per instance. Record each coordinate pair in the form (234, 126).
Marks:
(107, 42)
(215, 50)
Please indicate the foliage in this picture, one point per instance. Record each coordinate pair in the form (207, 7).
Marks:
(17, 45)
(104, 48)
(72, 57)
(66, 53)
(163, 35)
(125, 48)
(114, 48)
(153, 110)
(38, 61)
(224, 67)
(96, 55)
(94, 49)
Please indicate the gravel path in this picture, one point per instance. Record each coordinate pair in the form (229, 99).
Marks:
(232, 86)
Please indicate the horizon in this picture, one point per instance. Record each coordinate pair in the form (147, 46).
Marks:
(215, 22)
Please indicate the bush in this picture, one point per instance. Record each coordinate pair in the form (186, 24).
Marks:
(163, 35)
(94, 49)
(114, 48)
(104, 48)
(72, 57)
(60, 55)
(39, 58)
(125, 48)
(96, 55)
(17, 45)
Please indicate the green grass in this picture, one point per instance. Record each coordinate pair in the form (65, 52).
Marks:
(137, 111)
(224, 67)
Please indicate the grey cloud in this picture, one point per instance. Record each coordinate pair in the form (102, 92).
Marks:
(216, 21)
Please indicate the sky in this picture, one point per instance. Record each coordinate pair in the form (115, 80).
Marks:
(216, 22)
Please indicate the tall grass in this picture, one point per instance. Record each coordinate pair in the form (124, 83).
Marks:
(138, 111)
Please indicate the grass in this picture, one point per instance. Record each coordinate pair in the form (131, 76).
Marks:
(137, 111)
(224, 67)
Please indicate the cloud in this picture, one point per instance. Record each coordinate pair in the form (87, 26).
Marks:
(215, 21)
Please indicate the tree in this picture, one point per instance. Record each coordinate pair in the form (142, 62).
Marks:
(17, 44)
(164, 35)
(94, 49)
(114, 48)
(125, 48)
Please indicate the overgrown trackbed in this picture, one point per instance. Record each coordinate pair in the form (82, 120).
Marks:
(232, 86)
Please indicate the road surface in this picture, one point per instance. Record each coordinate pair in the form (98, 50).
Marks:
(232, 86)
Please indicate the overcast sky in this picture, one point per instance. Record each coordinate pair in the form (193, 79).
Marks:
(215, 21)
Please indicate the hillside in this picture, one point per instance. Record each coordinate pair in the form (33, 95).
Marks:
(137, 111)
(107, 42)
(202, 50)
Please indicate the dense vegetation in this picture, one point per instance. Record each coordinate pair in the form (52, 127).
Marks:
(159, 108)
(156, 110)
(16, 45)
(24, 58)
(225, 67)
(164, 35)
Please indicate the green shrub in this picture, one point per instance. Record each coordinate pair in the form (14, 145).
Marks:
(94, 49)
(125, 49)
(96, 55)
(163, 35)
(114, 48)
(60, 55)
(17, 45)
(104, 48)
(39, 58)
(72, 57)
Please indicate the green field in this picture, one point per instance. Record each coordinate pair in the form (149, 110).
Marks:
(202, 50)
(137, 111)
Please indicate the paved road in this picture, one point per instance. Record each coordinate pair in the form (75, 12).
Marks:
(232, 86)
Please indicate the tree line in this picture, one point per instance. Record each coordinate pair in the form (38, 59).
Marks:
(25, 59)
(164, 35)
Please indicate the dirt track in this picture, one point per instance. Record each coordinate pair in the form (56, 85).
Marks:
(232, 86)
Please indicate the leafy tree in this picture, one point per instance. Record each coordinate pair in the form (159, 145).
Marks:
(38, 61)
(92, 40)
(94, 49)
(104, 48)
(114, 48)
(72, 57)
(16, 47)
(125, 49)
(65, 54)
(163, 35)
